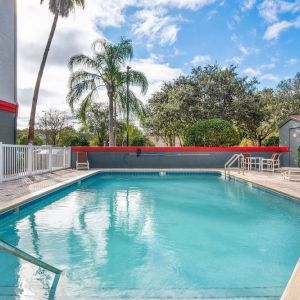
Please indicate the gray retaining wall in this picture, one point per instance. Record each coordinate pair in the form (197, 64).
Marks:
(164, 159)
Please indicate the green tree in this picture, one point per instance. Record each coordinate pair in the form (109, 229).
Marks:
(212, 132)
(209, 92)
(51, 125)
(170, 111)
(288, 94)
(59, 8)
(105, 69)
(96, 122)
(70, 137)
(258, 115)
(22, 138)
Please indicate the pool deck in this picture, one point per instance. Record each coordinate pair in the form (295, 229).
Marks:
(274, 182)
(16, 192)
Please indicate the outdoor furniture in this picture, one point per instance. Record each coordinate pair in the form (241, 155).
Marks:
(292, 174)
(246, 161)
(82, 162)
(270, 164)
(256, 162)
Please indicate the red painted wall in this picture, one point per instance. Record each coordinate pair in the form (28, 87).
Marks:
(9, 107)
(180, 149)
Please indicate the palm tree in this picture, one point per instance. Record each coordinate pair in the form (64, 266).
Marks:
(105, 69)
(60, 8)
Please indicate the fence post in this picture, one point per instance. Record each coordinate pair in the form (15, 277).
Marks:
(29, 159)
(1, 162)
(65, 153)
(50, 158)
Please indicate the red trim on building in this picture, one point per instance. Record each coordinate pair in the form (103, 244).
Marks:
(179, 149)
(9, 107)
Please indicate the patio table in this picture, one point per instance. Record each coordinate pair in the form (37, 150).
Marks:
(257, 162)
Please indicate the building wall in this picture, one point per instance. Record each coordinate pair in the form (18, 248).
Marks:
(208, 159)
(290, 137)
(8, 94)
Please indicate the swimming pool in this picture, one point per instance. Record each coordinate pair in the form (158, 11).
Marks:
(126, 235)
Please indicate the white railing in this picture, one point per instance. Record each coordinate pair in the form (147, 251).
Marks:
(17, 161)
(235, 158)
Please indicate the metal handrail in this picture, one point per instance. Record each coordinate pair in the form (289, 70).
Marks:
(231, 161)
(21, 254)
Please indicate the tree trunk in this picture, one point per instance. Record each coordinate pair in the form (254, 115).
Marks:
(115, 122)
(111, 120)
(38, 81)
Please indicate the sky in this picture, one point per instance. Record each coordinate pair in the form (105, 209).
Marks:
(169, 37)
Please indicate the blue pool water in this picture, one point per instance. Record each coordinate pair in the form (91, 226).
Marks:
(125, 236)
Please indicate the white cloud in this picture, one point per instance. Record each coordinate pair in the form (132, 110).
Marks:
(268, 66)
(270, 9)
(252, 72)
(235, 60)
(269, 77)
(155, 24)
(187, 4)
(200, 59)
(274, 30)
(256, 72)
(248, 4)
(157, 73)
(292, 61)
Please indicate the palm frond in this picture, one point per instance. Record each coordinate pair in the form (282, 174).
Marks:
(64, 7)
(83, 61)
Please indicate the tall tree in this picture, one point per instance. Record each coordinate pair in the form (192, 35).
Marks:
(59, 8)
(51, 125)
(105, 69)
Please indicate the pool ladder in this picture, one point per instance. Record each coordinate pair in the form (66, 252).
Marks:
(25, 256)
(235, 158)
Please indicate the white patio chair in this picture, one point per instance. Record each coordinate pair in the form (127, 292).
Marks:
(82, 161)
(270, 164)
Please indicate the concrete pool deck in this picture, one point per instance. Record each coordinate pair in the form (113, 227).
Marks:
(16, 192)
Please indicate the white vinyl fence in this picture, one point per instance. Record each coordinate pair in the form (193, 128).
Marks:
(17, 161)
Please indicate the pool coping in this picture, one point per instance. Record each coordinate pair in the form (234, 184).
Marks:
(265, 186)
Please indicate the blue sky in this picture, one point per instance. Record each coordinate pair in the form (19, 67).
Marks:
(250, 34)
(169, 38)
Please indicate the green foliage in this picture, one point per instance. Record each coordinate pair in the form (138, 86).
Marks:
(214, 92)
(272, 140)
(70, 137)
(22, 138)
(299, 156)
(140, 140)
(63, 7)
(209, 92)
(212, 132)
(96, 123)
(105, 69)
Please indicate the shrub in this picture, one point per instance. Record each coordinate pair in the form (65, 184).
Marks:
(140, 140)
(271, 141)
(212, 132)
